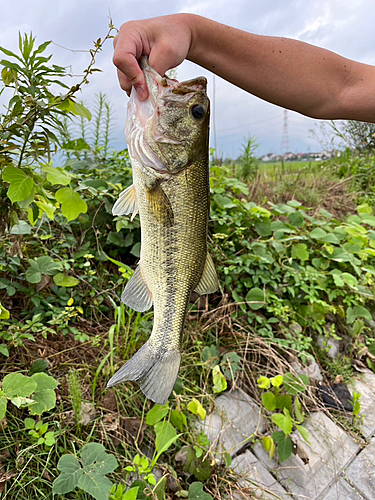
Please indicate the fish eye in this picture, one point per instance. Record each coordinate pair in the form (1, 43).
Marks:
(197, 111)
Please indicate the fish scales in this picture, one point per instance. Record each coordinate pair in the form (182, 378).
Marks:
(168, 144)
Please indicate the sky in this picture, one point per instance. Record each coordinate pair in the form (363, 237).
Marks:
(345, 27)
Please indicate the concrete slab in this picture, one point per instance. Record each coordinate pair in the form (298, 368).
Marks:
(255, 477)
(234, 419)
(341, 490)
(330, 452)
(365, 385)
(361, 472)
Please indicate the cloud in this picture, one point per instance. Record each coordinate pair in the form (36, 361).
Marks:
(344, 27)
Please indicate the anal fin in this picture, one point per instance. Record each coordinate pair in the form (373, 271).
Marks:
(209, 282)
(127, 203)
(137, 295)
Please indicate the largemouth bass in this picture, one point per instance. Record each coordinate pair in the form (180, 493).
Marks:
(167, 137)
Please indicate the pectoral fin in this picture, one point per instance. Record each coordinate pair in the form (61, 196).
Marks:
(127, 203)
(159, 203)
(209, 282)
(137, 295)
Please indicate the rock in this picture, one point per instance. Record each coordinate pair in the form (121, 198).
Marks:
(311, 369)
(366, 388)
(87, 413)
(330, 452)
(331, 343)
(255, 477)
(341, 490)
(234, 419)
(361, 472)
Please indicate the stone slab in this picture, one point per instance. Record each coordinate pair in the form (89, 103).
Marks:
(341, 490)
(235, 418)
(361, 472)
(365, 385)
(330, 452)
(255, 477)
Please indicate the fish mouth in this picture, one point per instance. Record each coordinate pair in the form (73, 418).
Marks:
(164, 87)
(141, 114)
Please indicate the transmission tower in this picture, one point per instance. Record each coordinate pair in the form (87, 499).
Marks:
(285, 143)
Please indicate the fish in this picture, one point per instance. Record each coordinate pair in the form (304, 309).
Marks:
(168, 143)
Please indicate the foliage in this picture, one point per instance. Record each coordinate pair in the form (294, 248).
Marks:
(88, 473)
(290, 271)
(356, 135)
(37, 392)
(248, 164)
(285, 409)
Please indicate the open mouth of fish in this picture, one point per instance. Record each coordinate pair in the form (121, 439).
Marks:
(162, 91)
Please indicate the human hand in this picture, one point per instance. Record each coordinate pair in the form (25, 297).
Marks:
(165, 40)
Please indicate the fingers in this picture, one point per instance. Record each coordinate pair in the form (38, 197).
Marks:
(128, 48)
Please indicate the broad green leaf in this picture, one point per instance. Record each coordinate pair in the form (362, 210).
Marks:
(293, 385)
(255, 298)
(17, 385)
(263, 382)
(66, 281)
(21, 228)
(157, 413)
(44, 396)
(131, 494)
(165, 436)
(269, 401)
(49, 438)
(8, 75)
(56, 175)
(21, 402)
(299, 251)
(284, 401)
(4, 313)
(353, 313)
(296, 219)
(284, 422)
(71, 203)
(3, 406)
(80, 110)
(71, 473)
(159, 489)
(178, 419)
(196, 492)
(284, 445)
(318, 233)
(336, 274)
(364, 209)
(29, 423)
(47, 208)
(210, 353)
(277, 381)
(298, 412)
(94, 456)
(220, 384)
(304, 433)
(269, 446)
(94, 484)
(21, 184)
(349, 279)
(3, 348)
(197, 409)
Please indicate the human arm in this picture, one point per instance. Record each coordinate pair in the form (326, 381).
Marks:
(289, 73)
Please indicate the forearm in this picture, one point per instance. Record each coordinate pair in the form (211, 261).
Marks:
(289, 73)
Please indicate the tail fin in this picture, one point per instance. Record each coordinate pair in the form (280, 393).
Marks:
(155, 372)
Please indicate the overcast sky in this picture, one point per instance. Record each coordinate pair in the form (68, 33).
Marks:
(346, 27)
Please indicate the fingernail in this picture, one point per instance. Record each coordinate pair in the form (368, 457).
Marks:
(141, 93)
